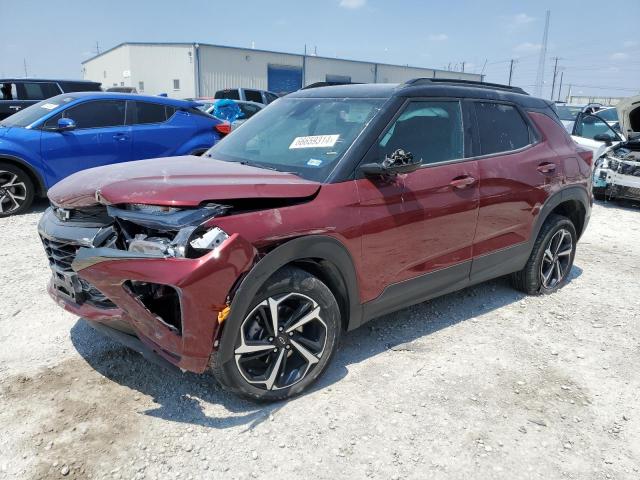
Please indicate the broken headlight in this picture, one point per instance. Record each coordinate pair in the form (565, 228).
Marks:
(168, 231)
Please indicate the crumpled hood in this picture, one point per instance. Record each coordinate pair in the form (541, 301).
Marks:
(176, 181)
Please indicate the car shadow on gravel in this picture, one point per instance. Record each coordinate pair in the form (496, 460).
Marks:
(184, 397)
(621, 204)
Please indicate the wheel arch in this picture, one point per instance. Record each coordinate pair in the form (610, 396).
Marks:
(320, 255)
(34, 175)
(572, 202)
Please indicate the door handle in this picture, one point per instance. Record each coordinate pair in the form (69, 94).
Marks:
(463, 181)
(121, 137)
(547, 167)
(15, 107)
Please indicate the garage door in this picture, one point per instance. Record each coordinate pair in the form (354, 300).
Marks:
(284, 78)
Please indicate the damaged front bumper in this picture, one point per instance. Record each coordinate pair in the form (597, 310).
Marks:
(617, 174)
(170, 303)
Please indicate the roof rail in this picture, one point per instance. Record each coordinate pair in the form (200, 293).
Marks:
(471, 83)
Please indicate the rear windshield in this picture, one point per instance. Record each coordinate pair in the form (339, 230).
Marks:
(566, 112)
(230, 94)
(35, 112)
(305, 136)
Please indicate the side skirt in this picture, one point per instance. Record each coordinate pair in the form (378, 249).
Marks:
(448, 280)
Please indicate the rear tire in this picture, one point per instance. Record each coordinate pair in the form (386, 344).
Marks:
(551, 258)
(278, 360)
(16, 190)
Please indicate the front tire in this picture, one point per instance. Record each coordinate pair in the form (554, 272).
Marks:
(16, 190)
(551, 259)
(286, 339)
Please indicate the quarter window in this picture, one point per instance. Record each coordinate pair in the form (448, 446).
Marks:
(501, 128)
(431, 131)
(102, 113)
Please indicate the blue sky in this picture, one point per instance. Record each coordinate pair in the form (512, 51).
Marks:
(598, 43)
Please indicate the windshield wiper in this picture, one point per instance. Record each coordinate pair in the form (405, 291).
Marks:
(259, 165)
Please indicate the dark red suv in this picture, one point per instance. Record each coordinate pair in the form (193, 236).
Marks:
(330, 207)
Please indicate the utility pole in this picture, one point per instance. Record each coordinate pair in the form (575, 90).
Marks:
(555, 73)
(569, 94)
(560, 89)
(97, 48)
(511, 70)
(24, 61)
(463, 62)
(543, 56)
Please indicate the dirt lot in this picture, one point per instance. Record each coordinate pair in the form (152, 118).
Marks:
(481, 384)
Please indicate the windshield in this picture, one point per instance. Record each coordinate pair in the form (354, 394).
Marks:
(305, 136)
(608, 114)
(566, 112)
(35, 112)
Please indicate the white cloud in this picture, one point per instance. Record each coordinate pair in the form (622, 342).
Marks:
(352, 4)
(630, 44)
(522, 19)
(618, 56)
(514, 23)
(527, 47)
(439, 37)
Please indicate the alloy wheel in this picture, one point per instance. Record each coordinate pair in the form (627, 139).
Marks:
(556, 259)
(13, 193)
(281, 340)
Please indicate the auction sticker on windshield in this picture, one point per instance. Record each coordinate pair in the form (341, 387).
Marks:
(314, 141)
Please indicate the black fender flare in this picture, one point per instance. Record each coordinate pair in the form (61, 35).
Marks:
(40, 185)
(314, 246)
(574, 192)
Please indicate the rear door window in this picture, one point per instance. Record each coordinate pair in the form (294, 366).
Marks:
(501, 128)
(97, 114)
(37, 90)
(146, 112)
(253, 96)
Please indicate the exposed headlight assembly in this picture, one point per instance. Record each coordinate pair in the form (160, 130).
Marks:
(169, 231)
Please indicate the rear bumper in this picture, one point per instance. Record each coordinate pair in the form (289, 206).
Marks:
(202, 286)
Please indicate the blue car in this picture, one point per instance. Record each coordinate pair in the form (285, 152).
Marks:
(52, 139)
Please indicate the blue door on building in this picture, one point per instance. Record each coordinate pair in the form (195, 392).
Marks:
(284, 78)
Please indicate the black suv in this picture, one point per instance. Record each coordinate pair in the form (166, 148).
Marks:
(16, 94)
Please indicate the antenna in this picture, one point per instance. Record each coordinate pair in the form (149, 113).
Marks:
(543, 56)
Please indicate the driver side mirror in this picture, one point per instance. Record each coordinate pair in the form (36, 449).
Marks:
(398, 162)
(603, 137)
(66, 124)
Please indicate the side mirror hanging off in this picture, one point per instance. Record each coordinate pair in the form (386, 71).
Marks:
(396, 163)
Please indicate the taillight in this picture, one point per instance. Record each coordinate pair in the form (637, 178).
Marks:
(223, 128)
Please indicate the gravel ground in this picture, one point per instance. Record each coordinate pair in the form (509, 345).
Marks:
(485, 383)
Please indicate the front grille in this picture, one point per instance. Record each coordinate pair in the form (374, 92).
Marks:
(60, 254)
(92, 227)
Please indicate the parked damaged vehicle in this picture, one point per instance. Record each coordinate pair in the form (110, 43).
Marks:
(616, 148)
(333, 206)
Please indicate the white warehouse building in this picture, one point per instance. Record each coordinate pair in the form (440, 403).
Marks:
(189, 70)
